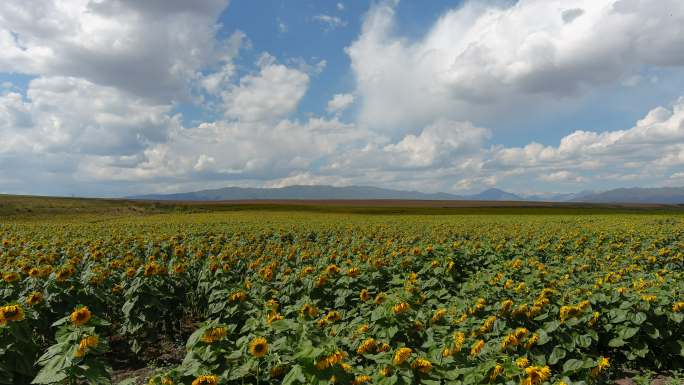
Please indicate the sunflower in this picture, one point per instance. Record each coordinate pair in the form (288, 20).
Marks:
(366, 346)
(309, 310)
(594, 318)
(522, 362)
(85, 344)
(439, 314)
(258, 347)
(34, 298)
(602, 364)
(206, 380)
(331, 360)
(384, 347)
(361, 379)
(401, 355)
(534, 338)
(88, 342)
(80, 316)
(496, 372)
(477, 348)
(536, 375)
(12, 313)
(678, 307)
(400, 307)
(11, 277)
(238, 296)
(422, 365)
(487, 325)
(509, 340)
(214, 334)
(364, 295)
(459, 340)
(278, 371)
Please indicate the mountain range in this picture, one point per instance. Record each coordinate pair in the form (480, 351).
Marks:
(667, 195)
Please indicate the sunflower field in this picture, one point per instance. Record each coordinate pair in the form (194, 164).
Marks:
(313, 298)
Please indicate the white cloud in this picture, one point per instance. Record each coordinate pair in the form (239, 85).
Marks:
(340, 6)
(313, 69)
(562, 176)
(655, 143)
(152, 49)
(339, 103)
(330, 22)
(233, 151)
(439, 144)
(72, 115)
(108, 76)
(271, 94)
(478, 60)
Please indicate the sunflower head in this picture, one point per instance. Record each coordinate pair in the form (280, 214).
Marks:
(34, 298)
(422, 365)
(12, 313)
(11, 277)
(536, 375)
(401, 355)
(400, 307)
(258, 347)
(80, 316)
(214, 334)
(206, 380)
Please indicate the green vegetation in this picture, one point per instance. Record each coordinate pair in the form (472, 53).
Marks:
(231, 294)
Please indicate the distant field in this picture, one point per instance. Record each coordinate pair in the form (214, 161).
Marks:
(32, 207)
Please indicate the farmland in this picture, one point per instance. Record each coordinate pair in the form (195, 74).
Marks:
(208, 294)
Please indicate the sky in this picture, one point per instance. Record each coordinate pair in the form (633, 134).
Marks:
(112, 98)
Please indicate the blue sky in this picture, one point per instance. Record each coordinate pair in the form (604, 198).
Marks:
(118, 97)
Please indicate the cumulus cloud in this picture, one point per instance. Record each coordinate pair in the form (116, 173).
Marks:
(101, 110)
(234, 150)
(653, 145)
(480, 59)
(340, 102)
(152, 49)
(438, 145)
(64, 114)
(271, 94)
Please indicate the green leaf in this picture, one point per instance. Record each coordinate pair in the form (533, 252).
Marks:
(572, 365)
(584, 340)
(557, 354)
(628, 333)
(543, 337)
(391, 380)
(616, 342)
(295, 374)
(551, 326)
(638, 318)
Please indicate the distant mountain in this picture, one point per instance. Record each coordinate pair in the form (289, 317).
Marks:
(667, 195)
(494, 194)
(664, 195)
(557, 197)
(323, 193)
(299, 192)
